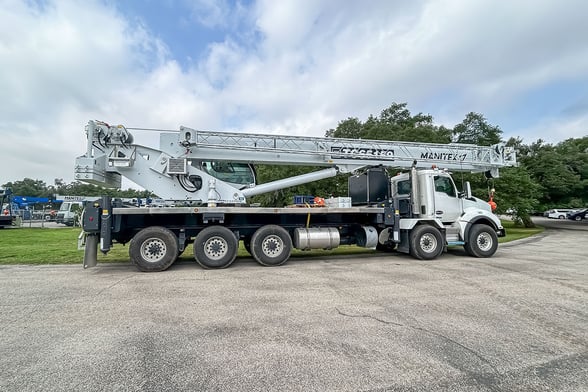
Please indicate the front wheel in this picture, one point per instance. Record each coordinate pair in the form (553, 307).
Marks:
(482, 241)
(271, 245)
(578, 218)
(215, 247)
(153, 249)
(426, 242)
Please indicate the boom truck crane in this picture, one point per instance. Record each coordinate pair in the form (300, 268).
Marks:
(210, 175)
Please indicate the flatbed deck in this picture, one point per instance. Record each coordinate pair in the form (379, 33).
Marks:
(247, 210)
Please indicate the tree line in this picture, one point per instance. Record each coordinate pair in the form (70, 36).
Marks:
(38, 188)
(547, 176)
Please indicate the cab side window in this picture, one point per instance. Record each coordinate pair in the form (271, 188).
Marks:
(444, 185)
(404, 187)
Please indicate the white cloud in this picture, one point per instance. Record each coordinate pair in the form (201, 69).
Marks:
(63, 64)
(210, 13)
(301, 67)
(555, 129)
(494, 52)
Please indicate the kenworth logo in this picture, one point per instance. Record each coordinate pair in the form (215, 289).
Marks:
(359, 153)
(443, 156)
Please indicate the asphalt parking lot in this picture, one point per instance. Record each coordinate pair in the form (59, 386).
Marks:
(515, 322)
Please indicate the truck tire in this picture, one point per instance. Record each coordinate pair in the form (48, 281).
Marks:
(482, 241)
(215, 247)
(271, 245)
(153, 249)
(426, 242)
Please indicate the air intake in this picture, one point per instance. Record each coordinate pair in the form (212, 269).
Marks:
(177, 166)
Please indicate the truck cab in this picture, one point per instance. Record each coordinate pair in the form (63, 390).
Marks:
(68, 212)
(433, 200)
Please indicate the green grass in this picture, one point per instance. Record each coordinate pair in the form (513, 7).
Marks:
(60, 246)
(48, 246)
(516, 232)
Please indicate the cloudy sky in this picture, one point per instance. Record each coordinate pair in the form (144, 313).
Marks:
(288, 66)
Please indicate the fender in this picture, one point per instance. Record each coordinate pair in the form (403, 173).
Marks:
(474, 216)
(410, 223)
(407, 224)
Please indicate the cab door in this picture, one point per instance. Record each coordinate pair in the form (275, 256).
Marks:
(448, 206)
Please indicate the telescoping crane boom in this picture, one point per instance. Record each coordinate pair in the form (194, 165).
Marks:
(183, 168)
(419, 212)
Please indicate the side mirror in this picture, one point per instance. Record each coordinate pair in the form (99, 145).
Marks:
(467, 192)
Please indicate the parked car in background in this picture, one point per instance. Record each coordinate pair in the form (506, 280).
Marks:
(579, 214)
(560, 213)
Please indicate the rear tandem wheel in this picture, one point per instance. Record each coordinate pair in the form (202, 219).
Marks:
(271, 245)
(215, 247)
(153, 249)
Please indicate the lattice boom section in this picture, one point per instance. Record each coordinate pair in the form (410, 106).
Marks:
(360, 149)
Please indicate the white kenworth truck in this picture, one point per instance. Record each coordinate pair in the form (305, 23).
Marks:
(209, 176)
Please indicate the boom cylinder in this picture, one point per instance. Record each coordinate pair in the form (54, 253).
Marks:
(292, 181)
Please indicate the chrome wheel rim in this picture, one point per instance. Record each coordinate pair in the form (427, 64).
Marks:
(153, 250)
(272, 246)
(484, 241)
(428, 243)
(216, 248)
